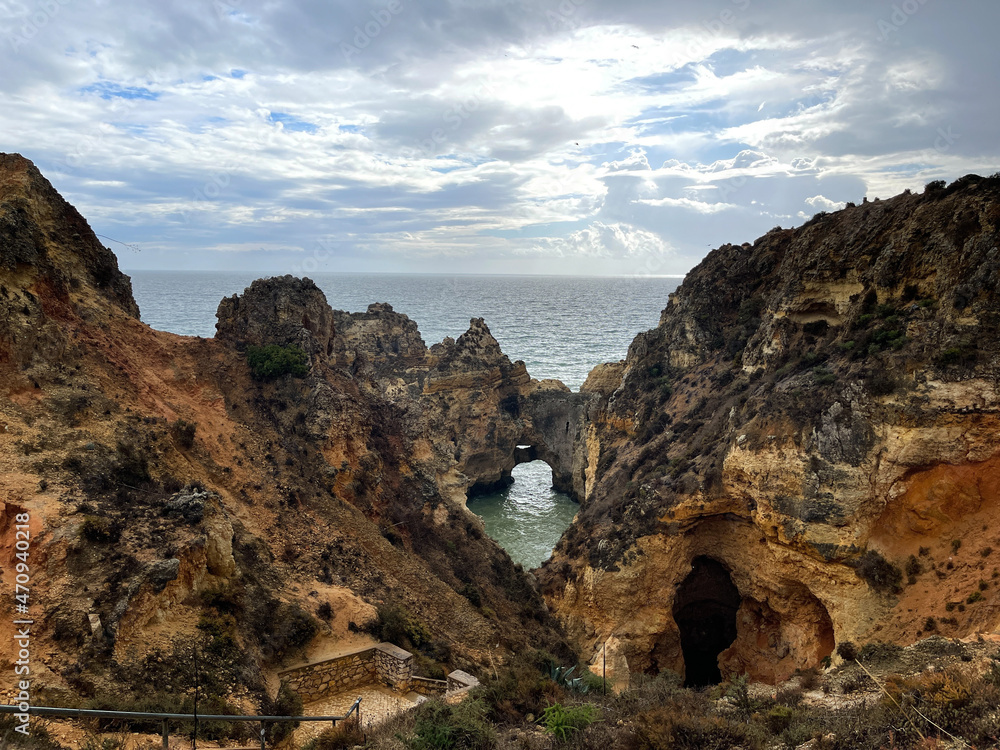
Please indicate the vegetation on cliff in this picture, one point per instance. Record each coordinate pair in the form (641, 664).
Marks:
(189, 495)
(813, 410)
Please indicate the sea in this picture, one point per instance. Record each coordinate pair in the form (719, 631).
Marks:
(561, 326)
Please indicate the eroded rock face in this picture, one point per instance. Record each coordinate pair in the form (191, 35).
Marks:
(306, 502)
(281, 311)
(824, 392)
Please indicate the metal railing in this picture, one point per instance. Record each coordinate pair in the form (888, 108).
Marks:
(85, 713)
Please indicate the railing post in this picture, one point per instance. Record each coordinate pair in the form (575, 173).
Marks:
(166, 735)
(262, 733)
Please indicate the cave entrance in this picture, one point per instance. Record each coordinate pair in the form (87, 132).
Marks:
(705, 612)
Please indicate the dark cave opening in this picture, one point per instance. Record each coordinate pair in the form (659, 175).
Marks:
(705, 612)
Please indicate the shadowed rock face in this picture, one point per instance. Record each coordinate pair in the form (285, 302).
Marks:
(822, 392)
(465, 400)
(42, 232)
(282, 311)
(167, 488)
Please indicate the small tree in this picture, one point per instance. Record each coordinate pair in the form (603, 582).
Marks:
(273, 361)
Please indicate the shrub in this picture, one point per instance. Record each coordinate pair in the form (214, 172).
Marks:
(847, 651)
(440, 726)
(273, 361)
(471, 593)
(667, 728)
(739, 694)
(395, 624)
(286, 703)
(345, 735)
(325, 611)
(964, 354)
(560, 720)
(881, 383)
(289, 629)
(879, 652)
(823, 376)
(99, 530)
(779, 718)
(878, 572)
(809, 678)
(183, 433)
(975, 596)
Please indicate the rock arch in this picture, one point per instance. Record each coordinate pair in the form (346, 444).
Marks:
(556, 433)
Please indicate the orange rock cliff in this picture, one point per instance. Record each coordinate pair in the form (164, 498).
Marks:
(804, 451)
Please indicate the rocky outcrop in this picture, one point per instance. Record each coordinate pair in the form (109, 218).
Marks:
(175, 500)
(285, 311)
(43, 235)
(817, 417)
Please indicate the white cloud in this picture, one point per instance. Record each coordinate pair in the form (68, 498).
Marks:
(822, 203)
(488, 130)
(617, 240)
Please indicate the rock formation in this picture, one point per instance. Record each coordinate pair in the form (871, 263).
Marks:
(176, 500)
(805, 450)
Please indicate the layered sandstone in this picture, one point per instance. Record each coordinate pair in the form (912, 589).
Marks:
(823, 393)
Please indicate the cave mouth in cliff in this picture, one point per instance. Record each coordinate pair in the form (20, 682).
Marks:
(705, 612)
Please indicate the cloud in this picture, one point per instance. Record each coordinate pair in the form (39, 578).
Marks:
(484, 134)
(822, 203)
(618, 240)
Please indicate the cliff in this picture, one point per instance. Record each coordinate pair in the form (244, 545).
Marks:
(178, 499)
(805, 451)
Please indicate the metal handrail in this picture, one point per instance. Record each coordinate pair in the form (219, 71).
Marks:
(127, 715)
(99, 713)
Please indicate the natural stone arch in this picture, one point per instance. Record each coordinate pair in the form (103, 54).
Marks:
(556, 433)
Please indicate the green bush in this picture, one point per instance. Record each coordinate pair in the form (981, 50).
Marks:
(395, 624)
(878, 572)
(286, 703)
(183, 433)
(823, 376)
(442, 727)
(560, 721)
(273, 361)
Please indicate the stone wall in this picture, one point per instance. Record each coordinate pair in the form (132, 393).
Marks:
(459, 680)
(393, 666)
(332, 676)
(385, 663)
(427, 686)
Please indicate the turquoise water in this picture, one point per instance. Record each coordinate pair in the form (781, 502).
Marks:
(529, 516)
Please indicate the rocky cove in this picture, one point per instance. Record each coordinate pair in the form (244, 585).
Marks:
(803, 453)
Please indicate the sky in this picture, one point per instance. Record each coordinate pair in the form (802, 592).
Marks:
(487, 136)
